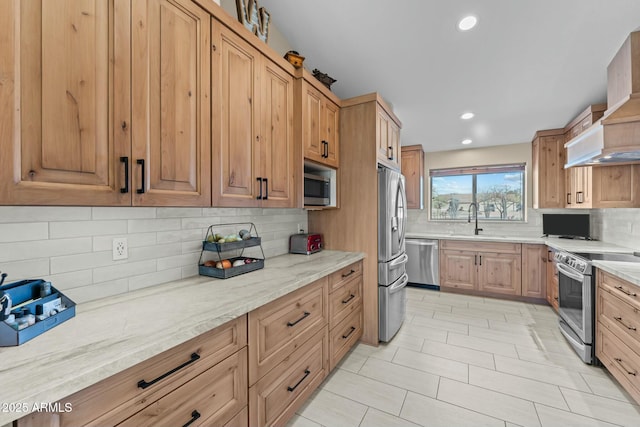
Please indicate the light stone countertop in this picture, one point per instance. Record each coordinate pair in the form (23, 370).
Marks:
(110, 335)
(629, 271)
(569, 245)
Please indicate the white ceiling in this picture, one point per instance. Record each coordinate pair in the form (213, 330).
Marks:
(528, 65)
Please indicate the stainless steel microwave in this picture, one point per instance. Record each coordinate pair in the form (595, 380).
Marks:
(317, 190)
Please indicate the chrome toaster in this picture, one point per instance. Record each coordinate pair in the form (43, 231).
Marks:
(305, 243)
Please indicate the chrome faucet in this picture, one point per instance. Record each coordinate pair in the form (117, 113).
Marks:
(475, 205)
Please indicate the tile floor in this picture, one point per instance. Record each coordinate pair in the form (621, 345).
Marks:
(469, 361)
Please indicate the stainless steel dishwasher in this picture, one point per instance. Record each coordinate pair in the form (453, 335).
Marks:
(422, 264)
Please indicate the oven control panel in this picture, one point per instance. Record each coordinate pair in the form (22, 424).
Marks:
(576, 263)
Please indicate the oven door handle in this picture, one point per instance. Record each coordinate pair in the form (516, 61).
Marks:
(570, 273)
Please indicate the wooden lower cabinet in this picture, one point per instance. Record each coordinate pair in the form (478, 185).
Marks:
(276, 397)
(617, 336)
(534, 271)
(343, 336)
(217, 366)
(489, 268)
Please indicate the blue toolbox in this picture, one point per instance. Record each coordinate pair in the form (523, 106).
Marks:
(29, 308)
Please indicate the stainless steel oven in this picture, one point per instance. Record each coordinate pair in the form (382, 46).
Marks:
(576, 298)
(576, 294)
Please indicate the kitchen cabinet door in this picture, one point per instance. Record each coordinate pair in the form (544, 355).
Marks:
(500, 273)
(331, 130)
(413, 171)
(236, 118)
(320, 126)
(276, 138)
(382, 122)
(394, 142)
(171, 104)
(458, 269)
(534, 271)
(616, 186)
(548, 160)
(64, 102)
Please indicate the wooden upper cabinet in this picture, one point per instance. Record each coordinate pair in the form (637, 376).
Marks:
(236, 120)
(252, 147)
(320, 126)
(413, 171)
(111, 104)
(171, 103)
(276, 138)
(64, 102)
(388, 133)
(548, 160)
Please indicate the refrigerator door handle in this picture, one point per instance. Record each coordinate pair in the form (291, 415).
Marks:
(402, 259)
(404, 209)
(399, 285)
(394, 223)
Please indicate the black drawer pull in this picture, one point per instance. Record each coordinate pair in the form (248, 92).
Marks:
(306, 374)
(634, 373)
(619, 319)
(624, 291)
(259, 197)
(143, 384)
(125, 160)
(304, 316)
(345, 336)
(194, 416)
(266, 189)
(351, 296)
(348, 274)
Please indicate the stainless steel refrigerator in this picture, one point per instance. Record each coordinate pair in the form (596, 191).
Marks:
(392, 276)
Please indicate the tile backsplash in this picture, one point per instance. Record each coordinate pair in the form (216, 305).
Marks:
(72, 246)
(619, 226)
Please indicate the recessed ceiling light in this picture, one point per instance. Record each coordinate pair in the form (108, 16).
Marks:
(467, 116)
(467, 23)
(466, 141)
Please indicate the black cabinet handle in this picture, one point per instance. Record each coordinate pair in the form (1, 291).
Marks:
(348, 274)
(266, 190)
(143, 384)
(390, 149)
(475, 259)
(480, 259)
(260, 181)
(619, 319)
(326, 149)
(194, 416)
(579, 197)
(306, 374)
(304, 316)
(142, 174)
(345, 336)
(634, 373)
(626, 292)
(125, 160)
(351, 296)
(568, 198)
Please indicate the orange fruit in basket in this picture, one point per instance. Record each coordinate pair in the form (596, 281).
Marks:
(226, 264)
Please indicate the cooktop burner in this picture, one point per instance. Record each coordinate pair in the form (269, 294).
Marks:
(609, 257)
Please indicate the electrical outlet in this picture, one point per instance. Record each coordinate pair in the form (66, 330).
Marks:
(120, 249)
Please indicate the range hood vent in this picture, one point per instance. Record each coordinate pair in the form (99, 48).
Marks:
(616, 137)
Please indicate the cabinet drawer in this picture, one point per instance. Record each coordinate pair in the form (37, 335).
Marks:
(339, 278)
(211, 398)
(278, 328)
(620, 317)
(345, 300)
(624, 290)
(276, 397)
(120, 396)
(344, 336)
(479, 246)
(240, 420)
(620, 360)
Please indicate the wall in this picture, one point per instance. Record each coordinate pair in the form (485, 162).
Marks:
(72, 246)
(619, 226)
(502, 154)
(276, 40)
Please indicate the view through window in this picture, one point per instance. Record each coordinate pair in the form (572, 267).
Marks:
(497, 190)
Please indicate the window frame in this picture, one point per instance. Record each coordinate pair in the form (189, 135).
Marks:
(474, 171)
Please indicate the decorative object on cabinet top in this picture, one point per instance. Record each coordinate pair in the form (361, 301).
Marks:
(323, 78)
(294, 58)
(255, 19)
